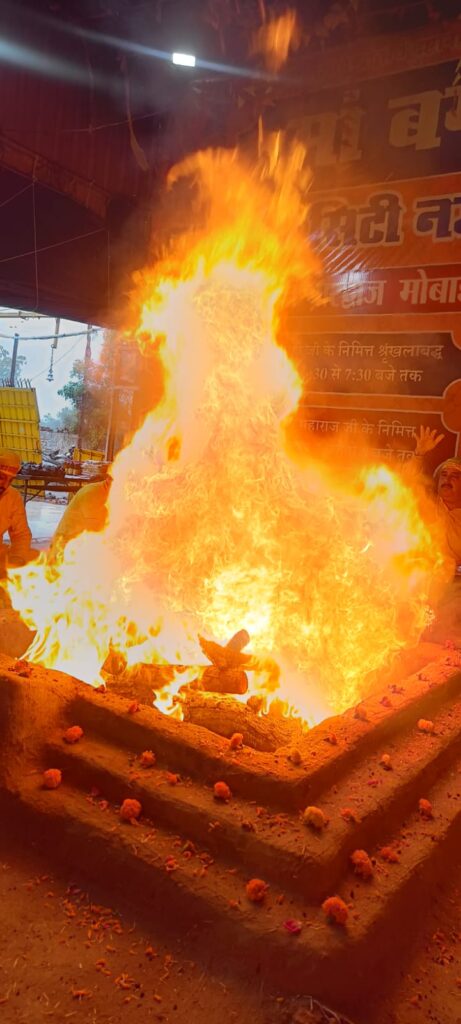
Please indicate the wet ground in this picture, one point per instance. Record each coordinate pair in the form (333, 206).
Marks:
(43, 518)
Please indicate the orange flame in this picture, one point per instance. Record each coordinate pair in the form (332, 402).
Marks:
(276, 38)
(212, 526)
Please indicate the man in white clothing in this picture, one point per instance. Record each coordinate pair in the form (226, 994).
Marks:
(13, 519)
(447, 485)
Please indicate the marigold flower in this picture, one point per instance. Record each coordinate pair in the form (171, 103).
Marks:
(148, 759)
(335, 909)
(256, 890)
(315, 818)
(387, 853)
(52, 778)
(425, 725)
(221, 791)
(73, 734)
(349, 815)
(362, 864)
(425, 808)
(130, 810)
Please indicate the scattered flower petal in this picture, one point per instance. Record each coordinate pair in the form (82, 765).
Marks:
(292, 926)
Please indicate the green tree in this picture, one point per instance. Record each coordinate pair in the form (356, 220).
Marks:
(89, 392)
(5, 364)
(65, 419)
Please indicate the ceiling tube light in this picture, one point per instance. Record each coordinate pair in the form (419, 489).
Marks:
(187, 60)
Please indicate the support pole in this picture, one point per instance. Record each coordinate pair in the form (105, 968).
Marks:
(86, 367)
(14, 358)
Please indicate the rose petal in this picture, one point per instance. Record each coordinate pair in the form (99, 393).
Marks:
(293, 926)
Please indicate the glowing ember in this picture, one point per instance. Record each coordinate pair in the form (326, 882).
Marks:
(212, 526)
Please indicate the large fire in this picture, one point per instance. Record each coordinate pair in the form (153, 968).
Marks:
(213, 526)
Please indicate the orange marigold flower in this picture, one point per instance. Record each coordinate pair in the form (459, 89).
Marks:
(362, 864)
(236, 741)
(148, 759)
(256, 890)
(73, 734)
(387, 853)
(221, 791)
(315, 818)
(335, 909)
(130, 810)
(52, 778)
(22, 668)
(425, 725)
(349, 815)
(425, 808)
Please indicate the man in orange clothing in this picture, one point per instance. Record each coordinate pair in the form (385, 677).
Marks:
(86, 512)
(13, 519)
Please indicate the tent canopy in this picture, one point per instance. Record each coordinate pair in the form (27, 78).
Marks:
(94, 114)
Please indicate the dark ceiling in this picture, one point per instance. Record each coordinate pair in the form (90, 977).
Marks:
(94, 113)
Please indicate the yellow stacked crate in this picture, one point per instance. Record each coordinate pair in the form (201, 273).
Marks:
(20, 426)
(20, 423)
(87, 455)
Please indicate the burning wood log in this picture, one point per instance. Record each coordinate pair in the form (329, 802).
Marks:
(226, 673)
(224, 680)
(231, 655)
(226, 716)
(140, 682)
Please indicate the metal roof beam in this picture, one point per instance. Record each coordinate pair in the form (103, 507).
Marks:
(38, 168)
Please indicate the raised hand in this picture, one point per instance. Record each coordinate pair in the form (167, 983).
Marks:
(427, 440)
